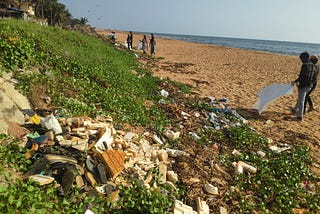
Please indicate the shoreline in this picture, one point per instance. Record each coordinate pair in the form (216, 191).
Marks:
(223, 40)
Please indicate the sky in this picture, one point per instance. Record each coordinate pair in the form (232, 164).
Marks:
(281, 20)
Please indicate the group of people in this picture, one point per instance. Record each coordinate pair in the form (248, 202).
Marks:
(144, 43)
(306, 82)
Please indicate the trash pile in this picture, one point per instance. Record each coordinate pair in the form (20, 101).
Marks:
(94, 154)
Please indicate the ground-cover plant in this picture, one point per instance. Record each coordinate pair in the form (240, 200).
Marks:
(83, 68)
(282, 183)
(12, 155)
(140, 199)
(244, 137)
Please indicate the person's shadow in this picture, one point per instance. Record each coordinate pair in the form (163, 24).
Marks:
(253, 114)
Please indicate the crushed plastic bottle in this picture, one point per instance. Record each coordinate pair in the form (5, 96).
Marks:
(194, 135)
(164, 93)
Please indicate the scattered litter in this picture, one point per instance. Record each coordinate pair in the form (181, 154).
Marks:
(164, 93)
(202, 207)
(171, 134)
(241, 166)
(42, 179)
(51, 123)
(277, 149)
(236, 152)
(261, 154)
(209, 188)
(195, 135)
(180, 208)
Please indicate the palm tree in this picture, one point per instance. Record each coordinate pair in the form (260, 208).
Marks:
(56, 13)
(83, 20)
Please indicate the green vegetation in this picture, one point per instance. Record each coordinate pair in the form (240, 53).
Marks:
(81, 73)
(87, 76)
(278, 185)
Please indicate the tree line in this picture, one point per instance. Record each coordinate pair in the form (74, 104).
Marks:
(54, 12)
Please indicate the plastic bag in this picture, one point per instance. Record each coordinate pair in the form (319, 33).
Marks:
(51, 123)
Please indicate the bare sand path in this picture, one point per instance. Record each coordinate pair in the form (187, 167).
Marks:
(238, 75)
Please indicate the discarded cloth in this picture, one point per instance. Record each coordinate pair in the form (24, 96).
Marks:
(270, 93)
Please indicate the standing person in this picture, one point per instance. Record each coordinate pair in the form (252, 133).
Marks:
(152, 44)
(314, 60)
(129, 40)
(144, 44)
(113, 37)
(304, 82)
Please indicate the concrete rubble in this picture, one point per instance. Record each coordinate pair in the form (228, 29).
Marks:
(107, 150)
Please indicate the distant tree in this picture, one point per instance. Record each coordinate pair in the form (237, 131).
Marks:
(56, 13)
(83, 20)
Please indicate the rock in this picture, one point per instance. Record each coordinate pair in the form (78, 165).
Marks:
(157, 139)
(171, 134)
(163, 156)
(15, 96)
(3, 127)
(9, 110)
(202, 207)
(180, 208)
(15, 130)
(223, 210)
(209, 188)
(163, 173)
(192, 181)
(172, 176)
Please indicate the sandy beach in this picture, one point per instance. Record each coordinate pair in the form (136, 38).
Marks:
(224, 72)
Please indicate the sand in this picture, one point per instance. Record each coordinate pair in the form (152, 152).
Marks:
(224, 72)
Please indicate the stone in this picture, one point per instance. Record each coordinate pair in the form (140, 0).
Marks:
(9, 110)
(15, 130)
(180, 208)
(163, 173)
(202, 207)
(15, 96)
(209, 188)
(172, 176)
(3, 127)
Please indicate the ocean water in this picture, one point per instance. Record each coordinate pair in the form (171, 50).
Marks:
(280, 47)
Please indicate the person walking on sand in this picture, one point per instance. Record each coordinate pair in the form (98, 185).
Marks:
(304, 82)
(152, 45)
(131, 39)
(144, 44)
(129, 42)
(314, 60)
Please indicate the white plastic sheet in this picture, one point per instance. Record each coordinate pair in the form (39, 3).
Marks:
(270, 93)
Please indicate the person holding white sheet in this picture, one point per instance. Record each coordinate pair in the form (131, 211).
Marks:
(304, 82)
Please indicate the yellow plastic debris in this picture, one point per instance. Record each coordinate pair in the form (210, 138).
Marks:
(35, 119)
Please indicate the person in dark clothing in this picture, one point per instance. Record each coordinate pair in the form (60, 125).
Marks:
(314, 60)
(152, 45)
(304, 82)
(129, 41)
